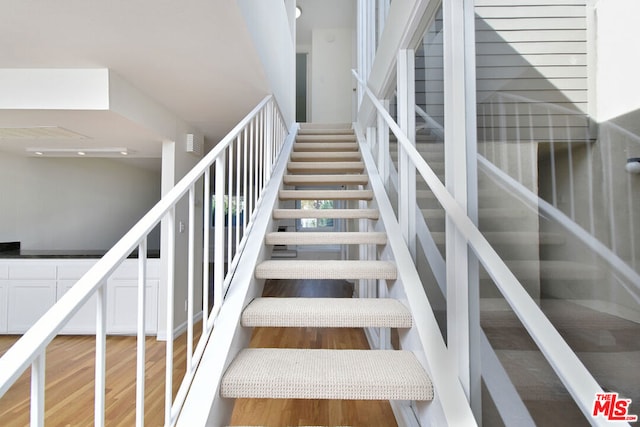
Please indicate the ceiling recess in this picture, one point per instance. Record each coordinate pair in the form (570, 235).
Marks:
(39, 132)
(79, 151)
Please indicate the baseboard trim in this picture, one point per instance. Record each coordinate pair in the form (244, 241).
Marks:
(178, 330)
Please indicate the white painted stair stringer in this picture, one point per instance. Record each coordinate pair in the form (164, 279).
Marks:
(203, 405)
(450, 406)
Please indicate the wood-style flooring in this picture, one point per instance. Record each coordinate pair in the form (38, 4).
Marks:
(69, 394)
(70, 377)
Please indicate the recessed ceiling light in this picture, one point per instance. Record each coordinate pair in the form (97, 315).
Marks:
(80, 151)
(298, 12)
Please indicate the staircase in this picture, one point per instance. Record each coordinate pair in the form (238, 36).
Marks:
(326, 157)
(513, 229)
(510, 227)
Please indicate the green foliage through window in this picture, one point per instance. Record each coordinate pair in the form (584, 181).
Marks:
(316, 222)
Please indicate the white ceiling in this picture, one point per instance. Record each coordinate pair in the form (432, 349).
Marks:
(194, 58)
(323, 14)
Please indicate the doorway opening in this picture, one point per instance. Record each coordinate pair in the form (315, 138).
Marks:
(301, 87)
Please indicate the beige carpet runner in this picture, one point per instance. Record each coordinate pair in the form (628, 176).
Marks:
(326, 158)
(278, 373)
(326, 313)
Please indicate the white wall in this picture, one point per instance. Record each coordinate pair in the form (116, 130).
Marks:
(46, 88)
(73, 204)
(618, 34)
(331, 81)
(177, 162)
(270, 28)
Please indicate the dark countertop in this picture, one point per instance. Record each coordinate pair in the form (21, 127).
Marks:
(65, 254)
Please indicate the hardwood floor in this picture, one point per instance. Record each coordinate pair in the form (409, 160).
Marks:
(288, 412)
(70, 382)
(70, 371)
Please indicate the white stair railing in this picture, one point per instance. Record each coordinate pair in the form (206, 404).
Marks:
(570, 370)
(509, 404)
(450, 406)
(242, 163)
(623, 272)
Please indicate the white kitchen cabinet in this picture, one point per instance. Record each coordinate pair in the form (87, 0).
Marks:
(27, 301)
(122, 306)
(29, 287)
(31, 291)
(4, 308)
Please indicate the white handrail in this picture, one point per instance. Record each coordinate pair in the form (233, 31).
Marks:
(442, 370)
(595, 245)
(509, 404)
(434, 125)
(559, 108)
(571, 371)
(31, 347)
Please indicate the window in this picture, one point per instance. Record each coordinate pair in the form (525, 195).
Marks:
(316, 223)
(231, 206)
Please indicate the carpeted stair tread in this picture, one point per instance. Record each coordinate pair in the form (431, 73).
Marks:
(326, 156)
(547, 270)
(327, 131)
(326, 213)
(325, 194)
(344, 179)
(335, 270)
(320, 146)
(326, 238)
(512, 238)
(326, 167)
(492, 213)
(424, 192)
(325, 128)
(421, 147)
(327, 138)
(326, 374)
(326, 313)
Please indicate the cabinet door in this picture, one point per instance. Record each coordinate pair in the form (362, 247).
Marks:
(122, 306)
(69, 272)
(27, 301)
(84, 321)
(3, 306)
